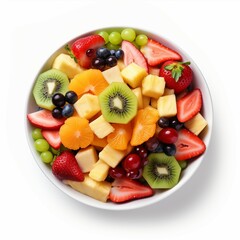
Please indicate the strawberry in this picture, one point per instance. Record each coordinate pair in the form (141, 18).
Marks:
(177, 75)
(80, 46)
(156, 53)
(52, 137)
(43, 119)
(188, 145)
(125, 189)
(65, 167)
(132, 54)
(189, 105)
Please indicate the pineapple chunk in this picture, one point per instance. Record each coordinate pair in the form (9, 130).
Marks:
(101, 127)
(66, 64)
(196, 124)
(138, 93)
(121, 64)
(153, 86)
(167, 106)
(154, 102)
(112, 75)
(87, 106)
(92, 188)
(86, 158)
(111, 156)
(99, 171)
(133, 75)
(146, 101)
(168, 91)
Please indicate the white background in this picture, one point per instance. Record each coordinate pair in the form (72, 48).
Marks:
(205, 208)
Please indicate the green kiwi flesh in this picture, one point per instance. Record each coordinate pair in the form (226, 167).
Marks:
(118, 103)
(161, 171)
(47, 84)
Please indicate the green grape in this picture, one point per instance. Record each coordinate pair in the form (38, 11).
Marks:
(115, 38)
(141, 39)
(104, 35)
(128, 34)
(46, 157)
(41, 145)
(36, 134)
(112, 46)
(55, 151)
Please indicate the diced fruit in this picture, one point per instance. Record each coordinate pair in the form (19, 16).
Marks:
(133, 74)
(86, 158)
(52, 137)
(90, 80)
(196, 124)
(111, 156)
(120, 137)
(76, 133)
(97, 190)
(154, 70)
(156, 53)
(154, 102)
(99, 142)
(188, 145)
(153, 86)
(121, 65)
(138, 93)
(65, 167)
(146, 101)
(99, 171)
(189, 105)
(87, 105)
(125, 189)
(112, 75)
(167, 106)
(66, 64)
(101, 127)
(168, 91)
(43, 119)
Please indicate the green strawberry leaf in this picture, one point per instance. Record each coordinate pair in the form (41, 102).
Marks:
(67, 48)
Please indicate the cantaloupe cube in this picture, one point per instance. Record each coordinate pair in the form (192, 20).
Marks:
(167, 106)
(100, 171)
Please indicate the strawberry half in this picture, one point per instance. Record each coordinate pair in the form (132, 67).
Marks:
(80, 46)
(52, 137)
(125, 189)
(156, 53)
(189, 105)
(132, 54)
(188, 145)
(43, 119)
(65, 167)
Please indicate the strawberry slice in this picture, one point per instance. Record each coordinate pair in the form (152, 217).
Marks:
(188, 145)
(52, 137)
(132, 54)
(43, 119)
(156, 53)
(80, 46)
(189, 105)
(125, 189)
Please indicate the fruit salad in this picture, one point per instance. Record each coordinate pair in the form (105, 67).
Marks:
(118, 116)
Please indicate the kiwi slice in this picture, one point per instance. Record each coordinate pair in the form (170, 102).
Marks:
(183, 164)
(48, 83)
(161, 171)
(118, 103)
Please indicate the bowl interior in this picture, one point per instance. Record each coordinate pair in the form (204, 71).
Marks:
(207, 111)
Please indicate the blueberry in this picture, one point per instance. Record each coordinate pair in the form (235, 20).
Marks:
(98, 63)
(67, 110)
(174, 123)
(112, 51)
(71, 97)
(57, 112)
(163, 122)
(169, 149)
(103, 52)
(119, 54)
(111, 61)
(58, 99)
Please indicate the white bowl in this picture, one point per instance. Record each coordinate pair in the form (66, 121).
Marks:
(207, 112)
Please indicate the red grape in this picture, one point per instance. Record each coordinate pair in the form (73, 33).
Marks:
(168, 135)
(131, 162)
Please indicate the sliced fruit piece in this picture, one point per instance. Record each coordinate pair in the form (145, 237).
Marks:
(118, 103)
(90, 80)
(76, 133)
(99, 143)
(120, 137)
(43, 119)
(125, 189)
(52, 137)
(189, 105)
(132, 54)
(161, 171)
(99, 171)
(154, 70)
(168, 91)
(113, 75)
(154, 102)
(138, 93)
(167, 106)
(65, 167)
(196, 124)
(146, 101)
(156, 53)
(188, 145)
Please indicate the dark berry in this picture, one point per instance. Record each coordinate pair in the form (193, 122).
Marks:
(163, 122)
(169, 149)
(152, 143)
(168, 135)
(119, 54)
(141, 151)
(111, 61)
(174, 123)
(90, 52)
(98, 63)
(103, 52)
(58, 100)
(116, 172)
(134, 174)
(57, 113)
(71, 97)
(112, 51)
(159, 148)
(131, 162)
(67, 110)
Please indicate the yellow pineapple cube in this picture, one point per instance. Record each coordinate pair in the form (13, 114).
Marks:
(121, 64)
(133, 75)
(153, 86)
(167, 106)
(101, 127)
(87, 105)
(99, 171)
(66, 64)
(112, 75)
(196, 124)
(97, 190)
(86, 158)
(146, 101)
(111, 156)
(168, 91)
(138, 93)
